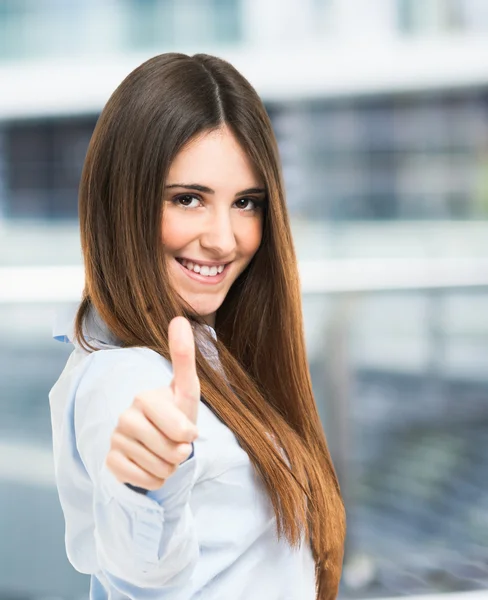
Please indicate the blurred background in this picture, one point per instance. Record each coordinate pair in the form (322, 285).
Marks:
(380, 108)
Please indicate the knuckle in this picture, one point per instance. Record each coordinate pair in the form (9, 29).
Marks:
(189, 432)
(182, 452)
(190, 394)
(165, 470)
(140, 400)
(180, 351)
(116, 439)
(185, 432)
(124, 422)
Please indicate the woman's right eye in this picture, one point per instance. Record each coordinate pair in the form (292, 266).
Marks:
(185, 201)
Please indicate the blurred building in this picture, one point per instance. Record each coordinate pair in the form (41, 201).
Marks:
(380, 108)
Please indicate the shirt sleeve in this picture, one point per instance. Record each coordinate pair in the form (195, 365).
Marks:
(142, 540)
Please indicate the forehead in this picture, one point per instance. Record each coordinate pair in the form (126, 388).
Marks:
(215, 159)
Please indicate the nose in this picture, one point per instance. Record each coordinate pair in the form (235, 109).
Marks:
(218, 236)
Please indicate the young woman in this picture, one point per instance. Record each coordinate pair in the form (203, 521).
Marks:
(191, 471)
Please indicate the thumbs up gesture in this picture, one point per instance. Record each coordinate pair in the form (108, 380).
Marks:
(153, 436)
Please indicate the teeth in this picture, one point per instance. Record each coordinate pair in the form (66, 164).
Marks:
(202, 269)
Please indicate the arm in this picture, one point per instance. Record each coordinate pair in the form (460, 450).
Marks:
(143, 541)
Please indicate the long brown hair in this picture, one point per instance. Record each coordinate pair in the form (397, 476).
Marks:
(149, 118)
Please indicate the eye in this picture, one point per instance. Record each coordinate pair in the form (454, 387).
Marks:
(185, 201)
(248, 204)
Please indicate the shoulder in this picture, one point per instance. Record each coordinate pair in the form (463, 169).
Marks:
(117, 375)
(129, 358)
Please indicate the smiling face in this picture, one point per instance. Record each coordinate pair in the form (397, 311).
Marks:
(212, 219)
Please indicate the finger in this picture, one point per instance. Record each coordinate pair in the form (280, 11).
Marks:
(142, 457)
(142, 431)
(185, 384)
(126, 471)
(159, 408)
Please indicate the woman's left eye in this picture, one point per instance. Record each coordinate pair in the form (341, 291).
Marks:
(249, 204)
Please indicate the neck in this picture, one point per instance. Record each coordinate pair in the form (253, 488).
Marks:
(210, 320)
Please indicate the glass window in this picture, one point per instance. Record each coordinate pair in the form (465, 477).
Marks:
(43, 163)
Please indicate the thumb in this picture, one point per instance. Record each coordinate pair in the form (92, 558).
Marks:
(185, 383)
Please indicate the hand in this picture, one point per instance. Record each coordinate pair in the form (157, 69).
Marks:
(153, 436)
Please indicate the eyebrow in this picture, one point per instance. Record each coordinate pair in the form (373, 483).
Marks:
(206, 190)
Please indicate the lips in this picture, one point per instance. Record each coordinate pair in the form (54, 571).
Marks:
(208, 279)
(202, 268)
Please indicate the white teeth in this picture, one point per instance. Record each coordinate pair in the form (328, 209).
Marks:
(202, 269)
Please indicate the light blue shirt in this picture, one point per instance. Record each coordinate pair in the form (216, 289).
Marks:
(209, 533)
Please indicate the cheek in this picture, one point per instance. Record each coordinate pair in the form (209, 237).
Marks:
(254, 234)
(250, 237)
(175, 233)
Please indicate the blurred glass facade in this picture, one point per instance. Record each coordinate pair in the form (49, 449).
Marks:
(64, 28)
(402, 382)
(60, 28)
(409, 157)
(402, 157)
(427, 16)
(400, 377)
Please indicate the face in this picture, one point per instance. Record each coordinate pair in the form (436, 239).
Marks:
(212, 219)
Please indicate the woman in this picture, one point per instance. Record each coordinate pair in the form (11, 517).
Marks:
(166, 493)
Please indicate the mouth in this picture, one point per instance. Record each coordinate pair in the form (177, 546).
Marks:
(203, 273)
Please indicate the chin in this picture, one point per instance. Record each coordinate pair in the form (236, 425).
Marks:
(204, 308)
